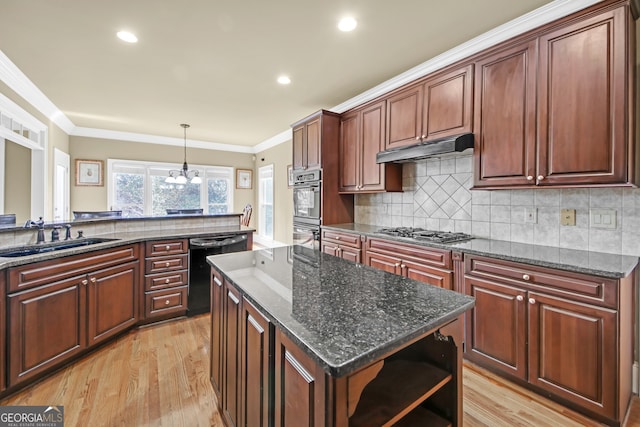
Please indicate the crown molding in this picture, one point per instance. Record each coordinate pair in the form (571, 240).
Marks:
(19, 83)
(536, 18)
(156, 139)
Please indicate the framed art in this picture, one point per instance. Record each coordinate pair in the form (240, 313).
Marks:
(290, 176)
(244, 178)
(89, 172)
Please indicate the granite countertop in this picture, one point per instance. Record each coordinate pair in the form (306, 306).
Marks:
(588, 262)
(125, 238)
(343, 315)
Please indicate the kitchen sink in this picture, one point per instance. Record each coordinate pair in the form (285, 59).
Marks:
(51, 247)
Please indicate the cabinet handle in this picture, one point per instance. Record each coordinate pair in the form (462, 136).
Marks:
(93, 280)
(84, 282)
(540, 177)
(525, 277)
(166, 280)
(217, 281)
(168, 264)
(167, 247)
(519, 297)
(529, 178)
(166, 302)
(532, 301)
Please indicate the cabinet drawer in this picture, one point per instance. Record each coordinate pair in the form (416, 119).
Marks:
(166, 247)
(168, 263)
(577, 286)
(346, 239)
(432, 256)
(166, 301)
(165, 280)
(40, 273)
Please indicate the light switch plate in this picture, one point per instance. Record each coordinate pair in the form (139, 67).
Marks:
(602, 218)
(531, 215)
(567, 217)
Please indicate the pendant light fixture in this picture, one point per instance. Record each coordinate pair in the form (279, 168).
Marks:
(183, 175)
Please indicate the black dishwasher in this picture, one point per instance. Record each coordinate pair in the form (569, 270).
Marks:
(200, 248)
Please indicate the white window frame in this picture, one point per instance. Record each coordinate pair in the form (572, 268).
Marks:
(154, 168)
(268, 169)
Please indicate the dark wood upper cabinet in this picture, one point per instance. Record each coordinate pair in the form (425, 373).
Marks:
(505, 117)
(307, 141)
(438, 107)
(556, 110)
(362, 134)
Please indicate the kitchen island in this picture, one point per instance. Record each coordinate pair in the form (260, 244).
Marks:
(307, 338)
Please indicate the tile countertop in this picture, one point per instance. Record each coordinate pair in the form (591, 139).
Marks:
(343, 315)
(125, 238)
(594, 263)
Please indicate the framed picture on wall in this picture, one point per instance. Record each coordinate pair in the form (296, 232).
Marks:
(244, 178)
(89, 172)
(290, 176)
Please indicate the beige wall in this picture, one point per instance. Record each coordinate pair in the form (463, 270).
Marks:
(95, 198)
(17, 178)
(280, 156)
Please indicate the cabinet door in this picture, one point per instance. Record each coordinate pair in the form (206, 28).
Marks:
(313, 132)
(330, 248)
(256, 335)
(426, 274)
(231, 360)
(372, 174)
(448, 104)
(299, 387)
(112, 301)
(299, 154)
(505, 118)
(572, 351)
(217, 316)
(350, 254)
(404, 118)
(47, 326)
(350, 148)
(583, 90)
(382, 262)
(496, 326)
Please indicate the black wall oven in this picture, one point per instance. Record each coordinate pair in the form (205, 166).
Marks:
(307, 208)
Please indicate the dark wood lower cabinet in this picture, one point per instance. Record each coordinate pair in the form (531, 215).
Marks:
(412, 269)
(256, 360)
(217, 290)
(231, 360)
(567, 335)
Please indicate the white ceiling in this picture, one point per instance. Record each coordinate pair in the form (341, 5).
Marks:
(214, 63)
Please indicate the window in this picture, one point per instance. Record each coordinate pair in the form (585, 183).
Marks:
(139, 189)
(265, 195)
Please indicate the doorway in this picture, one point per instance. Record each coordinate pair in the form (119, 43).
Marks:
(265, 202)
(61, 165)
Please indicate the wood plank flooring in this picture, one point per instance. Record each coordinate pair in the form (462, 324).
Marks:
(159, 376)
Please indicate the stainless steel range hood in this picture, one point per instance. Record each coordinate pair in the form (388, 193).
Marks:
(425, 150)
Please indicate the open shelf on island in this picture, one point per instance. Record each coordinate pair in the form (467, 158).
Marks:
(421, 417)
(400, 387)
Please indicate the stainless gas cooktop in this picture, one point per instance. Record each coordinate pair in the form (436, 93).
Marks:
(425, 235)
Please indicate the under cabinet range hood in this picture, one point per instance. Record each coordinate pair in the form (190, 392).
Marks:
(423, 150)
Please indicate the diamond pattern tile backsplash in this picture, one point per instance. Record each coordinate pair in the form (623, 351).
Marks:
(437, 195)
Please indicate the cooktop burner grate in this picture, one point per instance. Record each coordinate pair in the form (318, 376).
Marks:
(426, 235)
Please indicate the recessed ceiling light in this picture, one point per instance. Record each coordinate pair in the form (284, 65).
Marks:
(284, 80)
(347, 24)
(127, 36)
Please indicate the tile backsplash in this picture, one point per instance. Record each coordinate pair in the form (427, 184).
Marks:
(437, 195)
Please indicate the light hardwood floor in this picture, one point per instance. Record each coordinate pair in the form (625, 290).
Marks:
(158, 376)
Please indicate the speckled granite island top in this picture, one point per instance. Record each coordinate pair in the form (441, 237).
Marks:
(342, 314)
(597, 263)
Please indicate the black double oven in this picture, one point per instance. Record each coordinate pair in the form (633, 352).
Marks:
(307, 200)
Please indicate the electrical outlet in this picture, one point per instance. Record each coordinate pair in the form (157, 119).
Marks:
(567, 217)
(531, 215)
(602, 218)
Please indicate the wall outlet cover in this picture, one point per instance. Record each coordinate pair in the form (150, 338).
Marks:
(567, 217)
(531, 215)
(603, 218)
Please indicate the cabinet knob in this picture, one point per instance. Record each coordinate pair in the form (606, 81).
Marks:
(532, 301)
(167, 281)
(168, 264)
(84, 282)
(167, 247)
(519, 297)
(167, 302)
(403, 266)
(417, 138)
(337, 237)
(424, 136)
(540, 177)
(397, 264)
(93, 280)
(529, 178)
(525, 277)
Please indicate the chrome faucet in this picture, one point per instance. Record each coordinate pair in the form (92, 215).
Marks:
(67, 235)
(39, 224)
